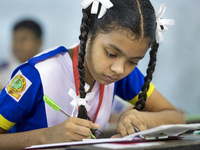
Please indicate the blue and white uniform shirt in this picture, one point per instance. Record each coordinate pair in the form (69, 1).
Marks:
(51, 73)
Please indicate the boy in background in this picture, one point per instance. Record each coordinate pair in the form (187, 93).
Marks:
(26, 43)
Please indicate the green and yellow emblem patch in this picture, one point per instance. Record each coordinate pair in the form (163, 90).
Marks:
(17, 86)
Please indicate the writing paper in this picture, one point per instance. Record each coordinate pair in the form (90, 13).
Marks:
(166, 130)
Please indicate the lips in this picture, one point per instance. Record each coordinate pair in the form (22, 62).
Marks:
(110, 79)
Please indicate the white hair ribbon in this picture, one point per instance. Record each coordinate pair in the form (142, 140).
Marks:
(161, 22)
(106, 4)
(77, 101)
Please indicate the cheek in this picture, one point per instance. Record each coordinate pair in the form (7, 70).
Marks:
(97, 64)
(90, 62)
(102, 64)
(128, 70)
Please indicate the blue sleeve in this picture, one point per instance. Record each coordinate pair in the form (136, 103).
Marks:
(18, 99)
(130, 86)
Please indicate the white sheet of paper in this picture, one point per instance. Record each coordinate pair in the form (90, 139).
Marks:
(85, 141)
(129, 145)
(170, 130)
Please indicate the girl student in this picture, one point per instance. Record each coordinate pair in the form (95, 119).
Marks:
(115, 36)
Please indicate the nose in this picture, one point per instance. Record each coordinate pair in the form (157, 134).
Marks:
(118, 66)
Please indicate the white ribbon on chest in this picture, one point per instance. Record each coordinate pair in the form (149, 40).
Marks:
(77, 101)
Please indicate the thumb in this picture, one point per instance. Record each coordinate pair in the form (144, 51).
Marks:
(95, 126)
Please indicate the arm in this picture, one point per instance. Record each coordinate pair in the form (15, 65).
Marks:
(20, 140)
(73, 129)
(162, 111)
(158, 111)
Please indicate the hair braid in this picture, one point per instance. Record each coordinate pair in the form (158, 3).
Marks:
(140, 104)
(83, 39)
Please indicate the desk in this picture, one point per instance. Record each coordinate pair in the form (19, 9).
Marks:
(189, 142)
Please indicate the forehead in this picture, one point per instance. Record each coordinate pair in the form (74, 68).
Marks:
(125, 41)
(24, 31)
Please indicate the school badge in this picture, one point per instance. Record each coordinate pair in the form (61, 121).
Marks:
(18, 85)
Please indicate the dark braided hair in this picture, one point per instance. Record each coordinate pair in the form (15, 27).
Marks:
(140, 104)
(83, 39)
(137, 17)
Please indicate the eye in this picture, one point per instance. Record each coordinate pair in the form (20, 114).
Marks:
(110, 55)
(132, 63)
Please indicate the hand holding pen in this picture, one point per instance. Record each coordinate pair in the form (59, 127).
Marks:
(130, 122)
(77, 125)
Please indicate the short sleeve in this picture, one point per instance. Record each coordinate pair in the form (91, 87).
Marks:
(129, 87)
(18, 97)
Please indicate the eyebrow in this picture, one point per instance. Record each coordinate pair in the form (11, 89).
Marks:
(120, 51)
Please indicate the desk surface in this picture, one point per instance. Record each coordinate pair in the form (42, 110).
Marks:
(188, 142)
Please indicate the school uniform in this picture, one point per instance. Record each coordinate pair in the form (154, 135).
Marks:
(51, 73)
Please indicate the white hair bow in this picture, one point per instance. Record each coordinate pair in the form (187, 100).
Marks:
(106, 4)
(161, 23)
(77, 101)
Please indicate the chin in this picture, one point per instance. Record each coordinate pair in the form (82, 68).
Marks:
(104, 82)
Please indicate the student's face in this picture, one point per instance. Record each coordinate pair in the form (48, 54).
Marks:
(25, 44)
(113, 56)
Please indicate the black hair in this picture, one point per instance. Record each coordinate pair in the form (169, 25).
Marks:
(31, 25)
(135, 16)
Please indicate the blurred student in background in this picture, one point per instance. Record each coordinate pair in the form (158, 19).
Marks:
(26, 42)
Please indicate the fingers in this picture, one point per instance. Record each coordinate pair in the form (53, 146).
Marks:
(121, 129)
(126, 125)
(116, 136)
(95, 126)
(140, 123)
(125, 128)
(72, 129)
(78, 137)
(80, 128)
(84, 123)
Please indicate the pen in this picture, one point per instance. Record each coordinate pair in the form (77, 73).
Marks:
(137, 130)
(56, 107)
